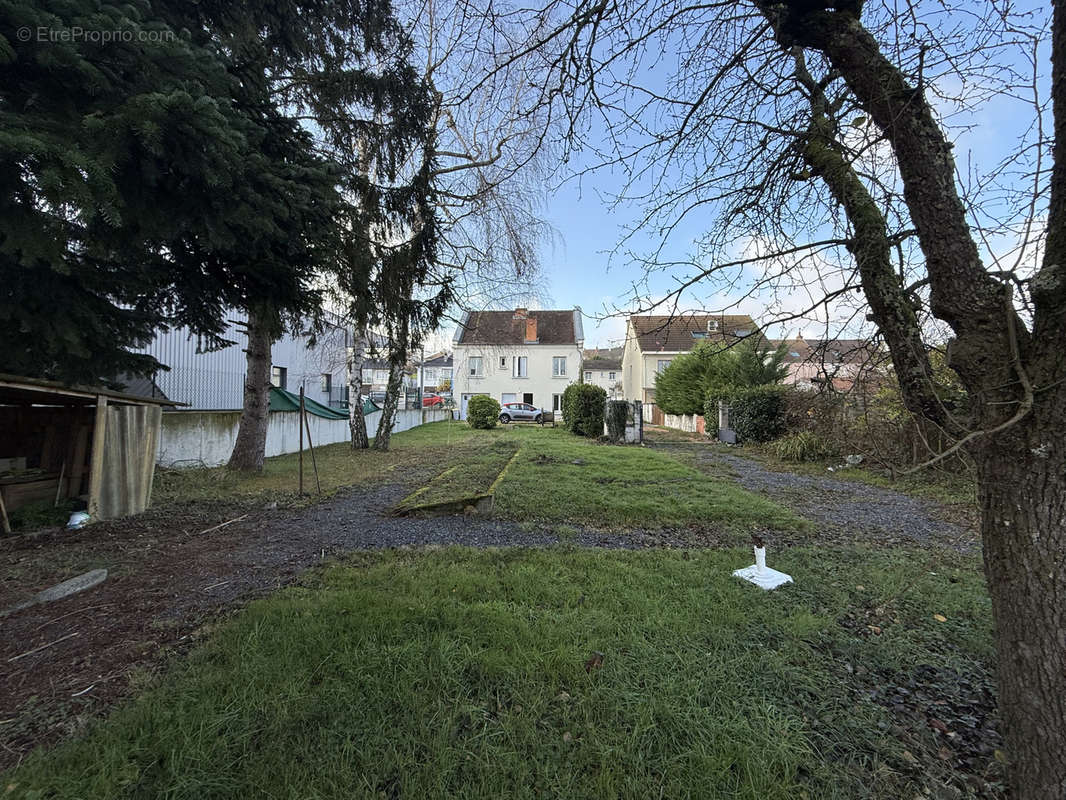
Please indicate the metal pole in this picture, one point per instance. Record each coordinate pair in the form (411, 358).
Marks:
(311, 447)
(301, 438)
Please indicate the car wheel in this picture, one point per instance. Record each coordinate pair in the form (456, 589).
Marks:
(538, 419)
(504, 419)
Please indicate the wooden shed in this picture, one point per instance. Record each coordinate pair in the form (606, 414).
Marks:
(60, 441)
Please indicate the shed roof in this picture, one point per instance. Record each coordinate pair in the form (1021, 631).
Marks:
(18, 390)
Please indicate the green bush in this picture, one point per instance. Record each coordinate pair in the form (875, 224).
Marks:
(583, 407)
(802, 446)
(679, 387)
(617, 417)
(482, 412)
(757, 414)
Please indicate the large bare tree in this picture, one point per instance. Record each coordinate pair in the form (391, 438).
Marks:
(804, 147)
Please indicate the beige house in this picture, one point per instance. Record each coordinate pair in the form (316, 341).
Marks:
(518, 356)
(652, 342)
(603, 367)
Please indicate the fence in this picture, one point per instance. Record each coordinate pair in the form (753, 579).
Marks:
(205, 438)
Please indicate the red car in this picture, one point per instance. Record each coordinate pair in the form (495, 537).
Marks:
(430, 400)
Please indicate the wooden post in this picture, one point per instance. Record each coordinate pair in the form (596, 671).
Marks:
(96, 460)
(3, 514)
(301, 439)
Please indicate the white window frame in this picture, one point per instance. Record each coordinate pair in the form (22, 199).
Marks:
(520, 366)
(557, 362)
(475, 367)
(610, 376)
(588, 375)
(662, 364)
(503, 362)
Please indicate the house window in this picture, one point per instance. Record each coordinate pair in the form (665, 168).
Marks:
(503, 362)
(521, 367)
(588, 376)
(558, 366)
(475, 366)
(327, 383)
(279, 376)
(662, 365)
(610, 376)
(557, 402)
(527, 398)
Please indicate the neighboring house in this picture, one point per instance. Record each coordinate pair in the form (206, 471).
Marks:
(652, 342)
(436, 369)
(838, 363)
(375, 375)
(517, 356)
(214, 379)
(603, 368)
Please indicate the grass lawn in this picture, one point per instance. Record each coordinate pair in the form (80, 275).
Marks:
(458, 673)
(425, 450)
(611, 487)
(559, 477)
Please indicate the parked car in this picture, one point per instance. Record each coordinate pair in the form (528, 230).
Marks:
(431, 400)
(522, 412)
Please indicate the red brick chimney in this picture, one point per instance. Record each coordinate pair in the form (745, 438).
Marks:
(521, 313)
(531, 329)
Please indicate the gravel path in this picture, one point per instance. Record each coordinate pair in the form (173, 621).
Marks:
(844, 508)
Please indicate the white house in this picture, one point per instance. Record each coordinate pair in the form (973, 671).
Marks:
(652, 342)
(517, 356)
(436, 369)
(603, 368)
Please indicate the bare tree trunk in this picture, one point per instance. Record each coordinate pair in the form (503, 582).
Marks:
(392, 398)
(250, 448)
(356, 418)
(1022, 492)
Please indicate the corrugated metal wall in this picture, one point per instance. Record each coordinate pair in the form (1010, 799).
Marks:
(215, 380)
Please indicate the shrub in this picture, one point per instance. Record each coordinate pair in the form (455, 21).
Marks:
(583, 406)
(757, 414)
(679, 387)
(482, 412)
(617, 417)
(802, 446)
(710, 409)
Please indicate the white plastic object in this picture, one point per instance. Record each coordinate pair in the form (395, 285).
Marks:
(760, 574)
(79, 519)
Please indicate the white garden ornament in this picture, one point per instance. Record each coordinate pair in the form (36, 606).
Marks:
(760, 574)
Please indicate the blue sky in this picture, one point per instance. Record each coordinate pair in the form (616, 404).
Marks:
(580, 269)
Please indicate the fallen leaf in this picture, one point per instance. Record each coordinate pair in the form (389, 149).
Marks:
(909, 757)
(567, 737)
(1000, 756)
(563, 696)
(874, 628)
(860, 588)
(595, 661)
(938, 725)
(944, 753)
(940, 618)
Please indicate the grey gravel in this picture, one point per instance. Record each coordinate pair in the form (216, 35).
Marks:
(849, 508)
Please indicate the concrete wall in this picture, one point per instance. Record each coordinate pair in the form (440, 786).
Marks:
(205, 438)
(690, 423)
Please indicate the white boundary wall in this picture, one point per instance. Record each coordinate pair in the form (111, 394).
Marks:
(690, 423)
(205, 438)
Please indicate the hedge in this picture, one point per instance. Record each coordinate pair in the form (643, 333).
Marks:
(757, 414)
(482, 412)
(617, 418)
(583, 406)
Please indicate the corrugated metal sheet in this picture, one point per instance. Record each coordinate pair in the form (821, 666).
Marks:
(215, 380)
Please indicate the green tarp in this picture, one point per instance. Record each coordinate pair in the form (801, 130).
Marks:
(280, 400)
